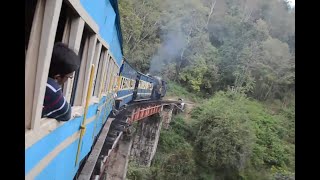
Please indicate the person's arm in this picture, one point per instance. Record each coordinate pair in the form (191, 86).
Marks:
(59, 109)
(66, 115)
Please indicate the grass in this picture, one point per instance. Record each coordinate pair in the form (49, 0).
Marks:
(176, 91)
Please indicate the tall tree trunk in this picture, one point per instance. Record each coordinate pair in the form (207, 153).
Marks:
(178, 67)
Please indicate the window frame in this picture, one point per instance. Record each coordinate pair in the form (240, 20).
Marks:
(38, 57)
(73, 39)
(83, 79)
(98, 57)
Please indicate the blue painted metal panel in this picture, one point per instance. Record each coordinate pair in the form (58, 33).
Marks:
(126, 100)
(43, 147)
(128, 71)
(106, 14)
(115, 46)
(146, 78)
(63, 166)
(122, 93)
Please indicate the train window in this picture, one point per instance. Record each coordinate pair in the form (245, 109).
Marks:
(99, 73)
(106, 75)
(122, 82)
(108, 82)
(69, 31)
(115, 75)
(113, 78)
(107, 85)
(83, 47)
(63, 33)
(82, 75)
(40, 29)
(96, 62)
(62, 23)
(125, 83)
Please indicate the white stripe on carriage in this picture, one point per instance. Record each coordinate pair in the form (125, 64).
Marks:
(144, 93)
(47, 159)
(125, 96)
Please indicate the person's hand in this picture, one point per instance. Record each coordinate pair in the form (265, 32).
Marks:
(75, 115)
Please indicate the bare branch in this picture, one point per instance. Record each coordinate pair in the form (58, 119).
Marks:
(211, 11)
(146, 35)
(188, 41)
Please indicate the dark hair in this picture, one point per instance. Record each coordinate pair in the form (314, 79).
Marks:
(63, 61)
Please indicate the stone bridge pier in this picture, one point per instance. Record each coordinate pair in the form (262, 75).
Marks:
(140, 145)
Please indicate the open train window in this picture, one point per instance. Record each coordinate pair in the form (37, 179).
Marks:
(115, 76)
(69, 31)
(113, 79)
(63, 28)
(102, 67)
(105, 86)
(61, 23)
(109, 75)
(82, 75)
(99, 73)
(67, 21)
(83, 49)
(122, 83)
(41, 19)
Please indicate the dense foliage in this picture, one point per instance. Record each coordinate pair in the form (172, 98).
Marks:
(230, 137)
(239, 137)
(209, 45)
(236, 60)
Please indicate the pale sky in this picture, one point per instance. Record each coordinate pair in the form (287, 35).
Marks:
(292, 3)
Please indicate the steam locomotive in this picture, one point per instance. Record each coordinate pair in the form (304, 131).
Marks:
(136, 86)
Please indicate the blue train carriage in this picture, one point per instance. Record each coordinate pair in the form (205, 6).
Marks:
(53, 149)
(126, 84)
(144, 86)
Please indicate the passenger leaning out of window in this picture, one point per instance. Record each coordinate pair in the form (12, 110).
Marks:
(64, 63)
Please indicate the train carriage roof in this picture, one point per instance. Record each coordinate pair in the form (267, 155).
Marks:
(114, 4)
(106, 15)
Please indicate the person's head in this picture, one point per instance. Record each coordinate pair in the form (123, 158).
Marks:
(64, 63)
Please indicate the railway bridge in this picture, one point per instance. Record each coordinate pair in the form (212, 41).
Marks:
(131, 134)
